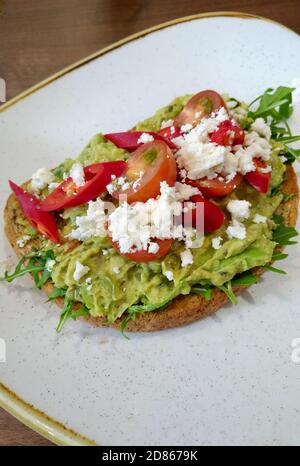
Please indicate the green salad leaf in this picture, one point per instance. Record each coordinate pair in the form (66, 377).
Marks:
(203, 290)
(227, 289)
(136, 309)
(283, 234)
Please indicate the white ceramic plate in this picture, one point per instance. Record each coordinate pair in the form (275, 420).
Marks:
(228, 379)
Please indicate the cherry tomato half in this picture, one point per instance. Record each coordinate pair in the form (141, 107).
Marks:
(260, 181)
(216, 187)
(227, 134)
(148, 166)
(198, 107)
(145, 256)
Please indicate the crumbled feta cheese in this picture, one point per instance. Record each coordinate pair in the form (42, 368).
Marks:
(80, 271)
(184, 191)
(53, 186)
(166, 124)
(239, 210)
(266, 169)
(88, 281)
(50, 264)
(283, 158)
(169, 275)
(153, 248)
(144, 138)
(134, 226)
(22, 241)
(200, 159)
(110, 188)
(186, 258)
(259, 218)
(216, 242)
(236, 230)
(186, 128)
(257, 146)
(40, 179)
(91, 224)
(77, 174)
(116, 270)
(262, 128)
(105, 252)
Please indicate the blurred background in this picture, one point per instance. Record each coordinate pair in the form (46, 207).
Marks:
(39, 37)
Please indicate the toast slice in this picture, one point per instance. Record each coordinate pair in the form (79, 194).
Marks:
(183, 309)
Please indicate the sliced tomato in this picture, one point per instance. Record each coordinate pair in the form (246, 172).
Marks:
(97, 177)
(228, 134)
(129, 139)
(145, 256)
(198, 107)
(43, 222)
(260, 181)
(149, 165)
(216, 187)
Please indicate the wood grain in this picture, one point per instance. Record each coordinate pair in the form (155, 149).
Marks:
(38, 38)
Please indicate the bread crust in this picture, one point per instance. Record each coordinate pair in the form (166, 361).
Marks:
(183, 309)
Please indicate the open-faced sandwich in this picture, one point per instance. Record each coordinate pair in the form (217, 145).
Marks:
(161, 225)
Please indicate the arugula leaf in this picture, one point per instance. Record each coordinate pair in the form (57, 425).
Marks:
(282, 234)
(246, 278)
(278, 256)
(22, 269)
(56, 293)
(276, 104)
(202, 290)
(288, 139)
(136, 309)
(274, 269)
(227, 289)
(65, 313)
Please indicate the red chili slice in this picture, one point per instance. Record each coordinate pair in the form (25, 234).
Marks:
(228, 134)
(213, 216)
(170, 132)
(260, 181)
(43, 222)
(97, 177)
(129, 139)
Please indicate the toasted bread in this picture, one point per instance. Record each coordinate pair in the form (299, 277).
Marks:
(183, 309)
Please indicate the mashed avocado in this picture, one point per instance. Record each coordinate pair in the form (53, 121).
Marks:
(117, 283)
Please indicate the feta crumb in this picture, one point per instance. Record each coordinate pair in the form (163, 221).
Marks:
(40, 179)
(166, 124)
(283, 158)
(50, 264)
(22, 241)
(236, 230)
(259, 218)
(186, 258)
(105, 252)
(91, 224)
(153, 248)
(89, 284)
(53, 186)
(266, 169)
(169, 275)
(144, 138)
(116, 270)
(216, 242)
(184, 191)
(110, 188)
(239, 210)
(186, 128)
(80, 271)
(262, 128)
(77, 174)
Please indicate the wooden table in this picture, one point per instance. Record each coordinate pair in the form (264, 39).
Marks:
(38, 38)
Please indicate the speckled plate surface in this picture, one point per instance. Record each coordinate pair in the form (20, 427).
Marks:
(229, 379)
